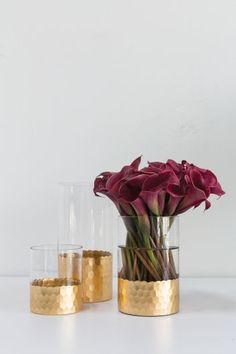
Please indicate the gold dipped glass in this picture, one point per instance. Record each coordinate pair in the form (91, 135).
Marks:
(51, 291)
(87, 220)
(148, 269)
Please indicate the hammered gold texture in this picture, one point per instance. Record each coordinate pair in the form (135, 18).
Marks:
(69, 265)
(55, 296)
(97, 276)
(143, 298)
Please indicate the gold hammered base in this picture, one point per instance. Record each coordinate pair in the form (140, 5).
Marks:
(143, 298)
(55, 296)
(97, 276)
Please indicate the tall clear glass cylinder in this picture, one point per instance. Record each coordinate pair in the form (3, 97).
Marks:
(53, 292)
(148, 265)
(87, 219)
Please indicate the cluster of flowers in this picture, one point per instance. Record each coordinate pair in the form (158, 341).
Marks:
(161, 189)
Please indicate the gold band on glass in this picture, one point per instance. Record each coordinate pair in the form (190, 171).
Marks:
(143, 298)
(69, 265)
(97, 276)
(55, 296)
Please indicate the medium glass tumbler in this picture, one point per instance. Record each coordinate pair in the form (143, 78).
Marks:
(87, 219)
(53, 291)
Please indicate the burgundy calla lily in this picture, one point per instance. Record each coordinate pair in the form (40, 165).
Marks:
(169, 188)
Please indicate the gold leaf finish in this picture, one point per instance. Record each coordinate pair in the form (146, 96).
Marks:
(55, 296)
(97, 276)
(69, 265)
(143, 298)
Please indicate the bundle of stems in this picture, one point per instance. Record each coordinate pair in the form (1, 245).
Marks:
(147, 255)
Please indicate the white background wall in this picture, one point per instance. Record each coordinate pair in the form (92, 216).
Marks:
(87, 86)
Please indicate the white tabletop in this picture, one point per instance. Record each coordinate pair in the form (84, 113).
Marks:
(205, 324)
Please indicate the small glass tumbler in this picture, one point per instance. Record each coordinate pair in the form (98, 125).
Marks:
(53, 291)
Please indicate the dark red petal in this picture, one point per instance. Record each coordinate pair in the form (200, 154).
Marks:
(148, 170)
(113, 180)
(157, 164)
(197, 205)
(129, 193)
(198, 181)
(217, 190)
(161, 201)
(150, 199)
(131, 188)
(116, 177)
(157, 181)
(185, 165)
(139, 207)
(187, 179)
(100, 182)
(207, 204)
(176, 167)
(209, 178)
(172, 204)
(174, 190)
(135, 164)
(175, 195)
(193, 198)
(155, 201)
(126, 171)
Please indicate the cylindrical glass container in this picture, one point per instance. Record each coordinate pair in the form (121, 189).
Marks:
(87, 219)
(148, 267)
(53, 291)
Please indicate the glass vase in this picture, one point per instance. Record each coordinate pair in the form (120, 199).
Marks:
(87, 219)
(148, 267)
(53, 292)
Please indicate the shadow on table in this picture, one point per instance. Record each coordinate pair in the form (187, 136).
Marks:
(199, 301)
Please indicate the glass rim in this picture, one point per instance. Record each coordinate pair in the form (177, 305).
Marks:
(56, 247)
